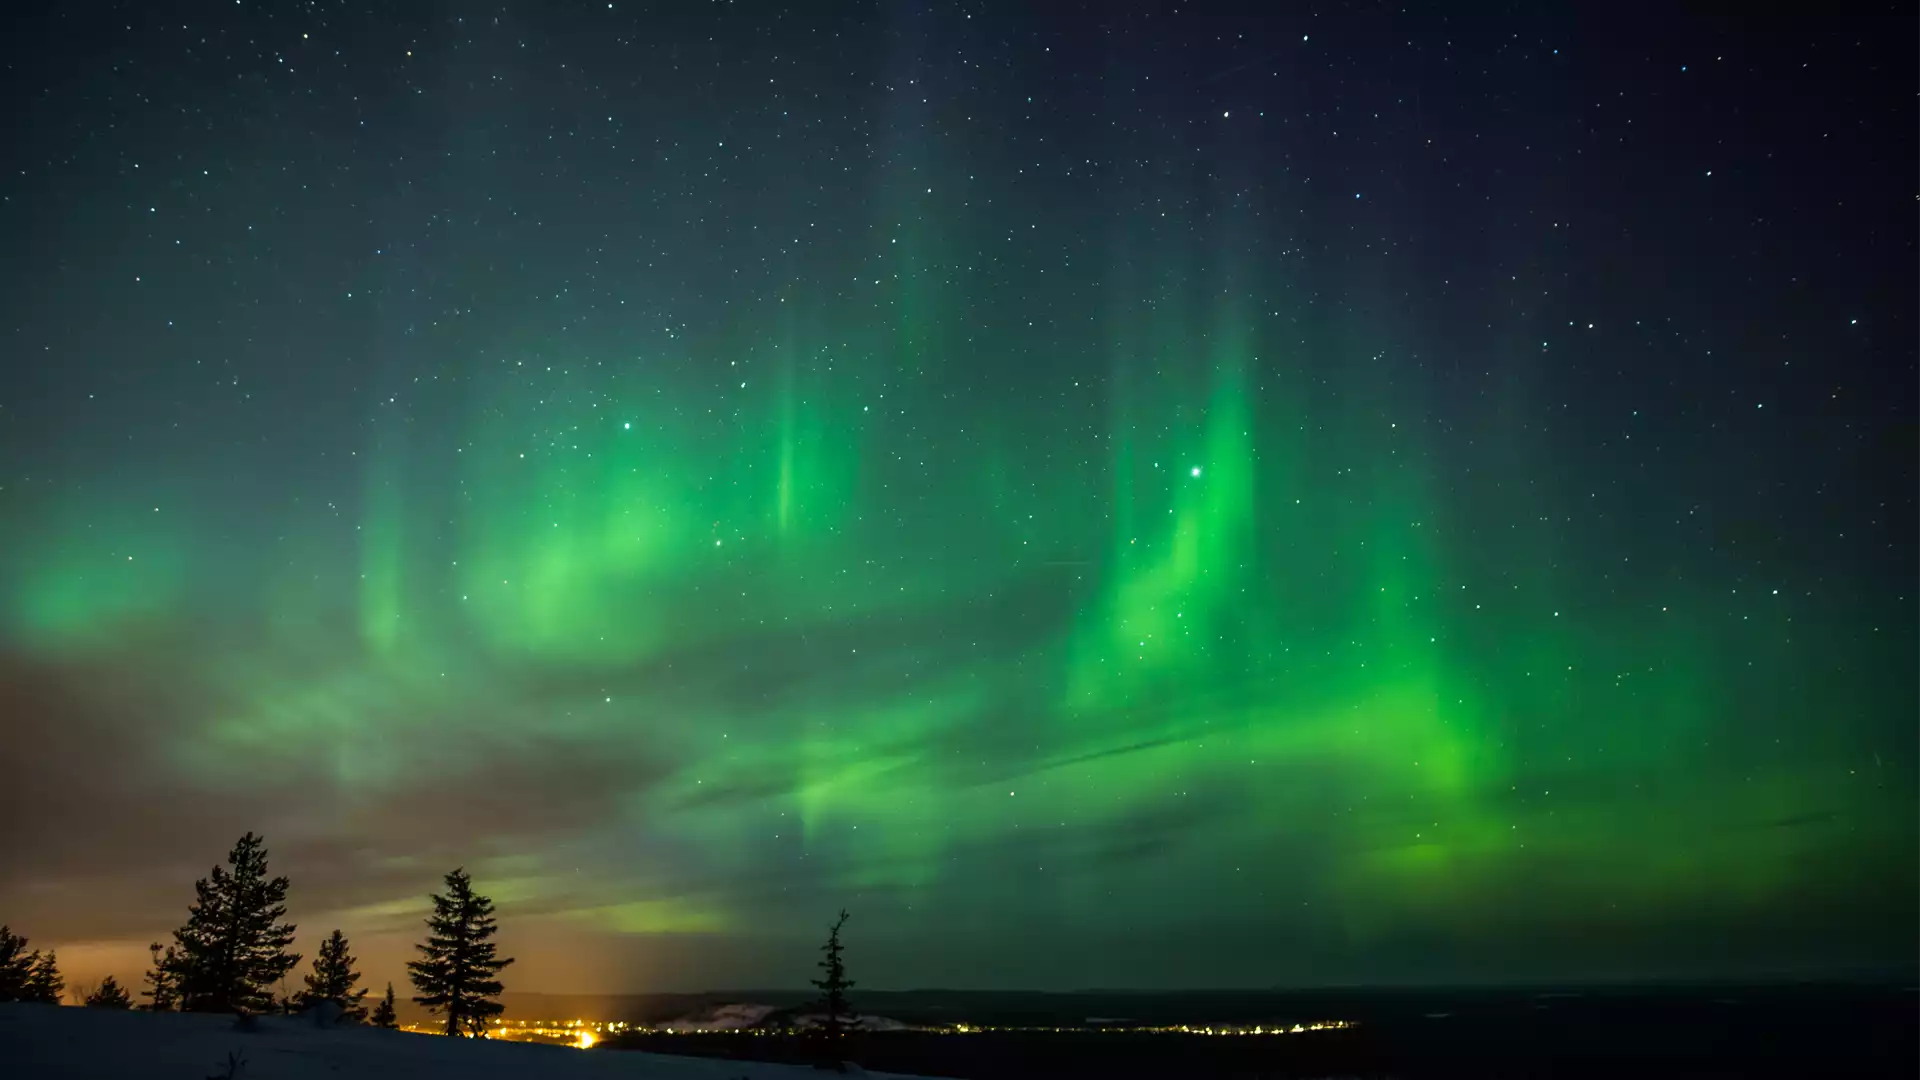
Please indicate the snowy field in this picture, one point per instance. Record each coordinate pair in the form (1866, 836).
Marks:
(47, 1041)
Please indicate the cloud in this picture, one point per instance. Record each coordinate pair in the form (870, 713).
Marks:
(104, 839)
(85, 811)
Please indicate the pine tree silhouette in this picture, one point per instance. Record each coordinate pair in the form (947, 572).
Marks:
(456, 974)
(332, 979)
(833, 988)
(233, 948)
(109, 995)
(383, 1015)
(163, 980)
(15, 965)
(43, 979)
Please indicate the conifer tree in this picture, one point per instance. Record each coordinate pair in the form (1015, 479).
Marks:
(383, 1015)
(332, 979)
(456, 973)
(43, 979)
(833, 988)
(233, 948)
(163, 980)
(15, 965)
(109, 995)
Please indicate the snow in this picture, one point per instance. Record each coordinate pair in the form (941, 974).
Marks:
(104, 1044)
(733, 1017)
(740, 1016)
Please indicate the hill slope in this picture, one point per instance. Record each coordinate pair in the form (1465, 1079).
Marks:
(99, 1044)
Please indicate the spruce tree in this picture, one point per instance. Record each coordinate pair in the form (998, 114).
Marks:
(163, 980)
(233, 948)
(456, 973)
(383, 1015)
(43, 979)
(15, 965)
(332, 980)
(109, 995)
(833, 988)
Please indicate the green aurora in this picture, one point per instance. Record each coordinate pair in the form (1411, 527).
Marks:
(1051, 579)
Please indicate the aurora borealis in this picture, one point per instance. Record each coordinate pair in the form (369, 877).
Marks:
(1140, 499)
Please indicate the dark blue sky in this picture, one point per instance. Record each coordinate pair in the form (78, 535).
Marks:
(1130, 497)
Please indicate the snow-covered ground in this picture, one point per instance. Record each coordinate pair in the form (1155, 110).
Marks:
(730, 1017)
(46, 1041)
(739, 1016)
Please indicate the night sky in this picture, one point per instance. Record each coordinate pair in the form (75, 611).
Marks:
(1130, 499)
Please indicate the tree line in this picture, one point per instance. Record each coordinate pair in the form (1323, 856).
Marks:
(233, 950)
(27, 976)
